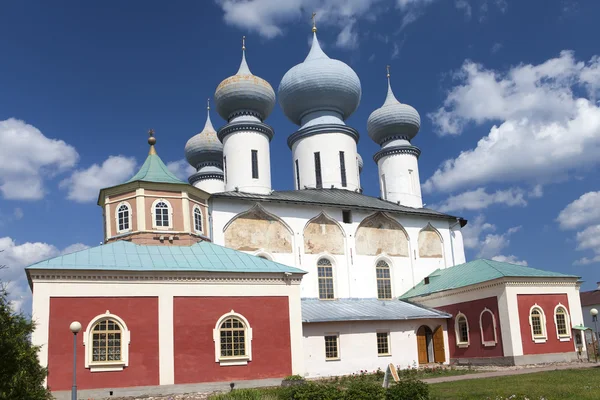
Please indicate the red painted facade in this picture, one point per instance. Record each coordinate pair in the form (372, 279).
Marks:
(547, 302)
(141, 317)
(472, 310)
(195, 318)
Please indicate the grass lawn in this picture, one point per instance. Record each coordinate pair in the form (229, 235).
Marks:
(574, 384)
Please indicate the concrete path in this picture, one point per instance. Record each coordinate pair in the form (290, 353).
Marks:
(509, 372)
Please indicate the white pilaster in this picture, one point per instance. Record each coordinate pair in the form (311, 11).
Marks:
(107, 216)
(166, 354)
(185, 206)
(140, 209)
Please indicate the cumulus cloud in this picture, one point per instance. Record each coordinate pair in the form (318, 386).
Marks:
(84, 185)
(348, 37)
(510, 259)
(27, 157)
(481, 236)
(465, 6)
(18, 213)
(479, 199)
(583, 211)
(546, 123)
(181, 169)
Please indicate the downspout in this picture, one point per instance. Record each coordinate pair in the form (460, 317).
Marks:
(451, 241)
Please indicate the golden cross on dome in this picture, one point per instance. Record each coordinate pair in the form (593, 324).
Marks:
(314, 21)
(151, 141)
(387, 67)
(208, 103)
(243, 42)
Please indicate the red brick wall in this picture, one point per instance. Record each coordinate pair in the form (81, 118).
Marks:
(141, 316)
(472, 310)
(547, 303)
(194, 347)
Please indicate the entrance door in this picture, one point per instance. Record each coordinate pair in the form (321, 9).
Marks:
(439, 350)
(423, 341)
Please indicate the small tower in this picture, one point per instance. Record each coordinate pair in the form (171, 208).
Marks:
(393, 126)
(245, 101)
(318, 95)
(204, 152)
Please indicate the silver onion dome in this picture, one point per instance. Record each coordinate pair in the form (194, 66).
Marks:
(205, 146)
(319, 83)
(244, 93)
(393, 120)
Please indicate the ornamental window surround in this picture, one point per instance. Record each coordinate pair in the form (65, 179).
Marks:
(233, 339)
(325, 278)
(106, 340)
(332, 346)
(461, 328)
(123, 217)
(488, 343)
(384, 280)
(197, 219)
(537, 322)
(162, 214)
(562, 323)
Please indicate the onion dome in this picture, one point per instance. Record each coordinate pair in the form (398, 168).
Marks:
(319, 83)
(393, 120)
(205, 146)
(244, 94)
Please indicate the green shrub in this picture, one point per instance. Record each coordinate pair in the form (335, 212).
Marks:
(293, 378)
(408, 389)
(361, 390)
(312, 391)
(239, 394)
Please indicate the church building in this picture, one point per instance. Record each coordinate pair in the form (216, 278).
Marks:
(227, 279)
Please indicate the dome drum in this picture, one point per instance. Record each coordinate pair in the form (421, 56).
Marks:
(320, 129)
(232, 127)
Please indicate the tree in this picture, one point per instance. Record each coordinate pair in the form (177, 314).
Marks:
(21, 375)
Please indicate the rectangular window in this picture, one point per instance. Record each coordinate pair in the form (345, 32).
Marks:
(318, 170)
(297, 176)
(331, 347)
(343, 168)
(225, 168)
(383, 343)
(254, 164)
(347, 216)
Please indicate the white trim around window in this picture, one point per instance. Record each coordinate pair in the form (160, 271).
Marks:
(127, 218)
(563, 337)
(488, 343)
(88, 343)
(233, 360)
(538, 334)
(197, 213)
(332, 346)
(169, 214)
(458, 321)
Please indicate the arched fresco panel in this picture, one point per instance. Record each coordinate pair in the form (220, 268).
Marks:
(430, 243)
(378, 234)
(323, 234)
(256, 229)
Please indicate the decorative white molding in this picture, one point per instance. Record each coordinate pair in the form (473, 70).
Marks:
(459, 342)
(185, 207)
(239, 360)
(544, 336)
(488, 343)
(129, 217)
(194, 208)
(140, 205)
(170, 213)
(567, 337)
(105, 366)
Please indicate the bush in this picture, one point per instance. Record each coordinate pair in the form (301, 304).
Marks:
(408, 389)
(361, 390)
(293, 378)
(240, 394)
(312, 391)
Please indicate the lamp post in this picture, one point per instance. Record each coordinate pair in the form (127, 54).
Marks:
(594, 314)
(75, 327)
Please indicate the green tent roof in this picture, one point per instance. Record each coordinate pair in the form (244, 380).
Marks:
(154, 170)
(126, 256)
(475, 272)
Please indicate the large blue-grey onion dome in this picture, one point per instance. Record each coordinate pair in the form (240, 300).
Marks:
(244, 93)
(205, 146)
(319, 83)
(393, 120)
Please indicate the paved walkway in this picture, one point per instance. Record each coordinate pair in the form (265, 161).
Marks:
(509, 372)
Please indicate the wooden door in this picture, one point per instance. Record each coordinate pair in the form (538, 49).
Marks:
(439, 350)
(422, 344)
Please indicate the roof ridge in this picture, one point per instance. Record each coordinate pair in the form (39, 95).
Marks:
(485, 260)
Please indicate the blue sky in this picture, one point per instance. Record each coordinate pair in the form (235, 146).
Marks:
(507, 92)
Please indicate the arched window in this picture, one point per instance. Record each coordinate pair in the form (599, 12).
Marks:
(162, 214)
(107, 343)
(537, 320)
(123, 218)
(197, 219)
(384, 281)
(487, 327)
(233, 338)
(325, 273)
(562, 323)
(461, 327)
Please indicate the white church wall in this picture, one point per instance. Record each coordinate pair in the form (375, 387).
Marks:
(237, 162)
(399, 179)
(210, 185)
(358, 345)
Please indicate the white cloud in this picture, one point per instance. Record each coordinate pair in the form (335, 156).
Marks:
(496, 48)
(465, 6)
(84, 185)
(348, 37)
(18, 213)
(181, 169)
(510, 259)
(74, 248)
(27, 157)
(589, 238)
(479, 199)
(583, 211)
(473, 231)
(491, 244)
(544, 130)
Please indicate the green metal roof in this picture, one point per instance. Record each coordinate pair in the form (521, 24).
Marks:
(475, 272)
(154, 170)
(127, 256)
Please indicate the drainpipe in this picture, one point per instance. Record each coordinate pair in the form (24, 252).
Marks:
(451, 241)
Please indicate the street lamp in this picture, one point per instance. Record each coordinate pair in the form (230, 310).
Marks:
(75, 327)
(594, 314)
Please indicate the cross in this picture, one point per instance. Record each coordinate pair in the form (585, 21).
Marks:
(387, 67)
(208, 103)
(314, 29)
(151, 132)
(243, 42)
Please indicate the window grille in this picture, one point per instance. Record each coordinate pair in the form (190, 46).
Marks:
(318, 170)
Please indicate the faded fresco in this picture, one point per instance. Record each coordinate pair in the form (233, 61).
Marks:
(430, 243)
(323, 234)
(256, 229)
(378, 234)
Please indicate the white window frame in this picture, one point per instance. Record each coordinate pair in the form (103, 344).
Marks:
(236, 360)
(460, 343)
(105, 366)
(197, 207)
(126, 204)
(567, 336)
(333, 275)
(389, 344)
(339, 353)
(170, 207)
(389, 264)
(488, 343)
(544, 336)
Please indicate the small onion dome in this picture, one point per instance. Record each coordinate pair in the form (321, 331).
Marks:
(244, 93)
(393, 120)
(360, 162)
(319, 83)
(204, 146)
